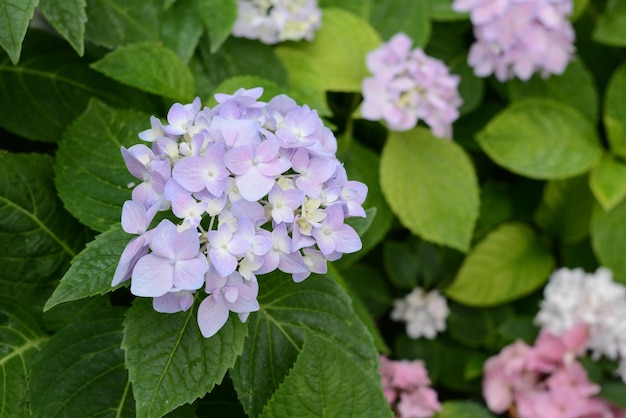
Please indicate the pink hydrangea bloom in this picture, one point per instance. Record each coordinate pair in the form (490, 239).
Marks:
(517, 38)
(408, 86)
(407, 388)
(545, 380)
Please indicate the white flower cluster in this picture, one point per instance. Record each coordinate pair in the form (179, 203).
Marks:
(573, 296)
(424, 312)
(273, 21)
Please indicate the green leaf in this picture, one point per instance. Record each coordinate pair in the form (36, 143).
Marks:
(412, 20)
(40, 97)
(401, 264)
(566, 207)
(327, 382)
(608, 182)
(218, 16)
(119, 22)
(610, 28)
(462, 409)
(474, 327)
(21, 337)
(91, 176)
(519, 328)
(80, 371)
(14, 18)
(149, 67)
(342, 42)
(614, 392)
(614, 116)
(370, 286)
(441, 10)
(92, 270)
(509, 263)
(181, 28)
(431, 186)
(541, 139)
(37, 236)
(239, 57)
(67, 17)
(574, 87)
(608, 238)
(360, 164)
(580, 7)
(169, 362)
(277, 333)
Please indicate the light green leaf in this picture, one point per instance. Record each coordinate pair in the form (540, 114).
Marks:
(610, 28)
(119, 22)
(608, 182)
(40, 97)
(431, 186)
(92, 270)
(574, 87)
(614, 116)
(91, 176)
(218, 16)
(541, 139)
(149, 67)
(441, 10)
(306, 83)
(68, 17)
(565, 209)
(361, 165)
(509, 263)
(407, 16)
(14, 18)
(169, 362)
(462, 409)
(327, 382)
(37, 236)
(608, 238)
(80, 371)
(21, 337)
(181, 28)
(277, 334)
(342, 42)
(580, 7)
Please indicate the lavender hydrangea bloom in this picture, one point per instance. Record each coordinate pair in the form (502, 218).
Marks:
(273, 21)
(409, 86)
(517, 38)
(251, 187)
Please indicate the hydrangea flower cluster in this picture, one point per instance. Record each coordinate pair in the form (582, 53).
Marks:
(409, 86)
(407, 388)
(424, 312)
(573, 296)
(273, 21)
(517, 38)
(545, 380)
(252, 187)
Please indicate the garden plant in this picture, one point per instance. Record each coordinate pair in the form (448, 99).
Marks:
(273, 208)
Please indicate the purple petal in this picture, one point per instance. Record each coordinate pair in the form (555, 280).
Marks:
(152, 276)
(224, 262)
(173, 302)
(135, 249)
(254, 185)
(239, 160)
(189, 274)
(211, 316)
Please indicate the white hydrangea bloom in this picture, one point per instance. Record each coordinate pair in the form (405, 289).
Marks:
(273, 21)
(573, 296)
(424, 312)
